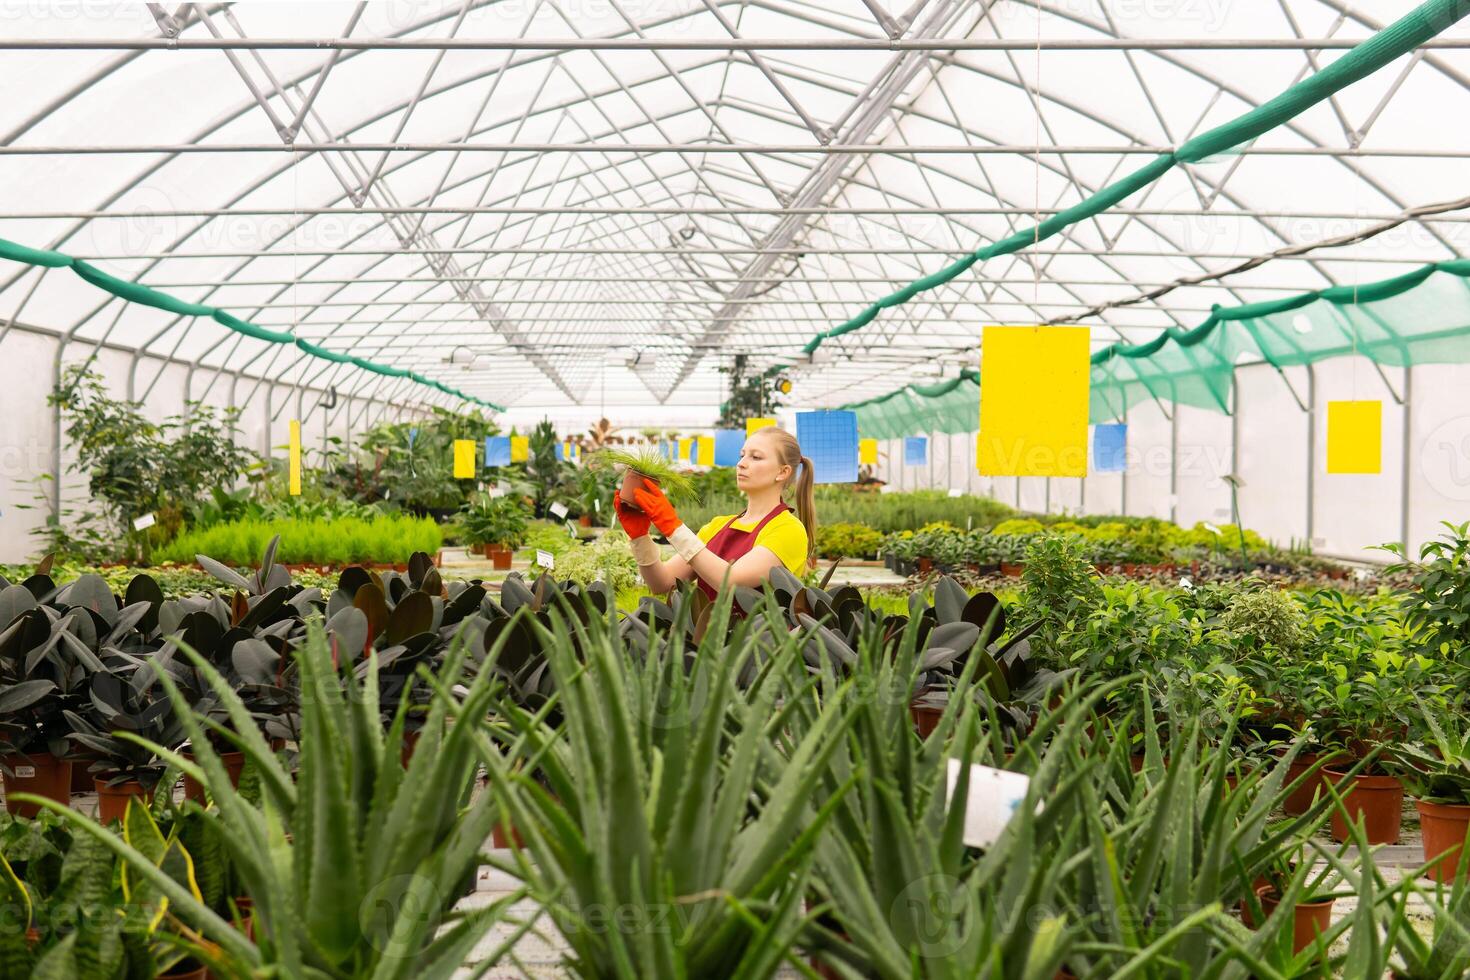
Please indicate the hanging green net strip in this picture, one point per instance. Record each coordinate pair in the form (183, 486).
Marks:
(1421, 317)
(1399, 38)
(133, 292)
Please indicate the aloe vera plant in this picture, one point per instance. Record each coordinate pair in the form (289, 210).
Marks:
(651, 836)
(354, 865)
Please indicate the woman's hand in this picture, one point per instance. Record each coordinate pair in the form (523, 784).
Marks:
(656, 508)
(634, 522)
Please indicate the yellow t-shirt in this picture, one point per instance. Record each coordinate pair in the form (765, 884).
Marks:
(785, 535)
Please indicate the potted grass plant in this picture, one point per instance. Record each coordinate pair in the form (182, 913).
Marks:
(645, 462)
(494, 526)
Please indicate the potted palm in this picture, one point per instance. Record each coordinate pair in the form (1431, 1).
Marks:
(494, 526)
(1437, 773)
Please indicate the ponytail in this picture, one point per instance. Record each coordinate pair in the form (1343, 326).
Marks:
(803, 477)
(806, 509)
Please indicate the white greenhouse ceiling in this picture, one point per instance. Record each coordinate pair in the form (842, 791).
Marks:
(543, 203)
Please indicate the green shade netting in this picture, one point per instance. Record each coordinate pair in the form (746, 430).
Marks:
(1422, 317)
(1404, 35)
(133, 292)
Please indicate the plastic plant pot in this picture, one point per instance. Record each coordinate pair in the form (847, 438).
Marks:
(1445, 826)
(41, 774)
(1378, 799)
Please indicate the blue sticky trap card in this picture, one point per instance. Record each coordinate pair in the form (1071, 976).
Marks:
(412, 435)
(1109, 448)
(830, 441)
(497, 450)
(916, 451)
(561, 451)
(728, 443)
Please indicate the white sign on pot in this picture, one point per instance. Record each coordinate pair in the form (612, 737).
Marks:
(144, 523)
(558, 510)
(994, 796)
(545, 559)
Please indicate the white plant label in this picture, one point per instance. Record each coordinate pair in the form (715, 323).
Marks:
(497, 491)
(558, 510)
(545, 559)
(144, 523)
(1212, 529)
(25, 772)
(994, 796)
(956, 492)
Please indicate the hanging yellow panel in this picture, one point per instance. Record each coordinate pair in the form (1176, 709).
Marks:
(464, 459)
(1355, 437)
(754, 425)
(868, 452)
(706, 451)
(520, 449)
(682, 452)
(293, 460)
(1034, 401)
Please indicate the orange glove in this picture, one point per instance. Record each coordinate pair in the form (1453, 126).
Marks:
(634, 522)
(656, 506)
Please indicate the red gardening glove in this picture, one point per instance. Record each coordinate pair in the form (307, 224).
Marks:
(635, 522)
(652, 502)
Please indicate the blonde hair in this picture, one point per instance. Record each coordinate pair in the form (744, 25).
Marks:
(788, 451)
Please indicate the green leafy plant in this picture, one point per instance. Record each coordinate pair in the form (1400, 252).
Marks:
(847, 540)
(1436, 605)
(1268, 617)
(604, 559)
(136, 467)
(488, 520)
(1437, 769)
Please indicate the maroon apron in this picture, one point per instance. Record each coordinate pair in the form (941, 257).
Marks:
(730, 544)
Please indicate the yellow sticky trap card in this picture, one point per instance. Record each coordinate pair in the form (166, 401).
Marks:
(464, 459)
(868, 452)
(520, 449)
(293, 460)
(681, 451)
(706, 451)
(1033, 401)
(1355, 437)
(755, 425)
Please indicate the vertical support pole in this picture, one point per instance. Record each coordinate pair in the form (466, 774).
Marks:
(265, 437)
(1311, 454)
(1405, 483)
(1174, 465)
(1046, 496)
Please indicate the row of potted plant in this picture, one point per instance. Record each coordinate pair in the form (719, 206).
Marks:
(1129, 546)
(1373, 689)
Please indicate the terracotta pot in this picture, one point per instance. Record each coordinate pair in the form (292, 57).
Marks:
(925, 566)
(585, 520)
(1299, 801)
(1011, 568)
(1445, 827)
(1380, 799)
(234, 765)
(41, 774)
(502, 842)
(499, 557)
(187, 970)
(410, 742)
(1308, 921)
(632, 481)
(926, 718)
(112, 801)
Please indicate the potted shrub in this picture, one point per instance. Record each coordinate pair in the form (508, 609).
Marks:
(495, 525)
(590, 494)
(124, 768)
(1437, 773)
(1295, 873)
